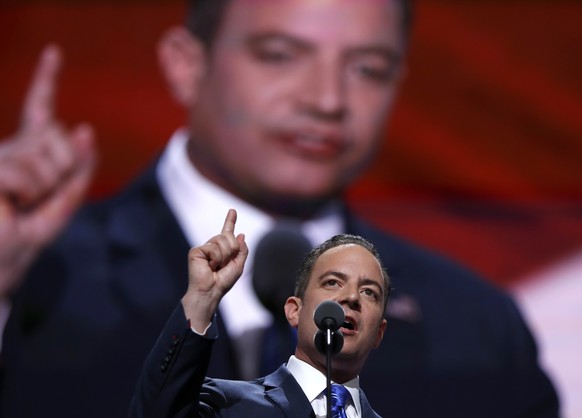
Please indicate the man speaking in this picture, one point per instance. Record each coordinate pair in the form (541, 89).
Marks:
(345, 269)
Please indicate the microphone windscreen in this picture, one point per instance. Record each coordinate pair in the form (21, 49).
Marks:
(329, 314)
(337, 342)
(278, 257)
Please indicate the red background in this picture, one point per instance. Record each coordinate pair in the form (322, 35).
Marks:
(483, 159)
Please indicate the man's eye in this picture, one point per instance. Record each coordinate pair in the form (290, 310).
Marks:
(374, 73)
(273, 56)
(371, 293)
(375, 68)
(331, 282)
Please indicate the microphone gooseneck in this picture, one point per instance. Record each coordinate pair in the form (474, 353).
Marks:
(321, 341)
(329, 316)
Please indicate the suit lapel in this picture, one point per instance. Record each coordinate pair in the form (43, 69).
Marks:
(148, 251)
(282, 388)
(367, 411)
(149, 266)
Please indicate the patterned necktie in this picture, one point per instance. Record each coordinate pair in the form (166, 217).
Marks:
(339, 397)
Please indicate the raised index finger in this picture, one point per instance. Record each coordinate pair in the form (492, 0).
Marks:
(39, 102)
(229, 222)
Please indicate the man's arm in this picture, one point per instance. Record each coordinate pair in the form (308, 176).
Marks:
(213, 268)
(175, 369)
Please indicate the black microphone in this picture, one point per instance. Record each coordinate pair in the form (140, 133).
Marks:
(329, 316)
(278, 257)
(337, 342)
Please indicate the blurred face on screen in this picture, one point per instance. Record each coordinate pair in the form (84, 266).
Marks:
(295, 95)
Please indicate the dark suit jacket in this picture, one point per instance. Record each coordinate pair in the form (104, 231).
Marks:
(172, 383)
(93, 305)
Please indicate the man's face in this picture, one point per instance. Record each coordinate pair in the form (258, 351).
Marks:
(296, 94)
(351, 276)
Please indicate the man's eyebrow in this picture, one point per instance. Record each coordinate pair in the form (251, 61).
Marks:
(388, 52)
(385, 51)
(371, 282)
(333, 273)
(366, 281)
(274, 36)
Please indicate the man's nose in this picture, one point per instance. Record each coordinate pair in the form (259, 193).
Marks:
(351, 297)
(324, 92)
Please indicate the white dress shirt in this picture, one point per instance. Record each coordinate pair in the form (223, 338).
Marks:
(313, 383)
(200, 208)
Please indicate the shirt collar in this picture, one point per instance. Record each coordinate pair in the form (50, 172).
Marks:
(200, 205)
(313, 382)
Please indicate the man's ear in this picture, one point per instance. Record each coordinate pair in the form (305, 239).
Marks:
(292, 309)
(182, 58)
(380, 334)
